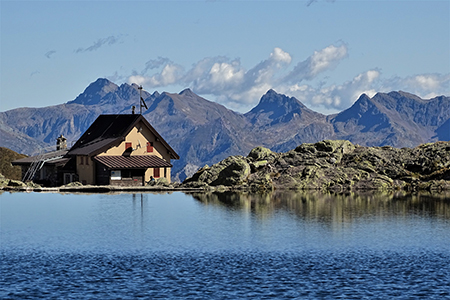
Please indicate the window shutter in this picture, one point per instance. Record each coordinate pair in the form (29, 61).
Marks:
(156, 172)
(149, 147)
(127, 145)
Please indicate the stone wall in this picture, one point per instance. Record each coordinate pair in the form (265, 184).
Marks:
(134, 181)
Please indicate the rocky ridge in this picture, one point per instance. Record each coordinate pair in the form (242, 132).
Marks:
(333, 165)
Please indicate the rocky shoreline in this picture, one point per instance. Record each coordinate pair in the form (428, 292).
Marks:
(331, 165)
(9, 185)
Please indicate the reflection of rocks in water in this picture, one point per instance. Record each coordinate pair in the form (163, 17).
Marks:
(332, 208)
(260, 204)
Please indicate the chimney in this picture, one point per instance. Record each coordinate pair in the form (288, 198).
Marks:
(61, 143)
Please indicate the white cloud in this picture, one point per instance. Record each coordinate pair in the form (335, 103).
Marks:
(423, 85)
(215, 75)
(280, 56)
(170, 74)
(327, 58)
(219, 76)
(321, 61)
(265, 71)
(223, 75)
(339, 97)
(200, 69)
(137, 79)
(335, 97)
(226, 81)
(236, 86)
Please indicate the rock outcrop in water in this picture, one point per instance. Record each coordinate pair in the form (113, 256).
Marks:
(335, 165)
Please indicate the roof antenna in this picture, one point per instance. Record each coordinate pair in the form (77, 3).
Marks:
(142, 102)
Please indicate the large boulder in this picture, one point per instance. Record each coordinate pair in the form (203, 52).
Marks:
(16, 183)
(233, 170)
(3, 181)
(74, 184)
(262, 154)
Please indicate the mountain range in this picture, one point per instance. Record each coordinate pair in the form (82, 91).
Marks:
(205, 132)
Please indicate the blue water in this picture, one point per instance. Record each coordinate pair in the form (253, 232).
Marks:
(224, 246)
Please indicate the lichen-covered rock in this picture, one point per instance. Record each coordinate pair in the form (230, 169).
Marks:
(161, 182)
(260, 182)
(258, 164)
(3, 181)
(73, 184)
(33, 185)
(233, 170)
(16, 183)
(334, 165)
(261, 153)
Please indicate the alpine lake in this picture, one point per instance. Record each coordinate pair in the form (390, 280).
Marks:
(280, 245)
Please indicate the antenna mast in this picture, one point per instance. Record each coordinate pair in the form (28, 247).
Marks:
(140, 101)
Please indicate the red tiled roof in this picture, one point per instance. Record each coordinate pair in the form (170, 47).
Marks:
(132, 162)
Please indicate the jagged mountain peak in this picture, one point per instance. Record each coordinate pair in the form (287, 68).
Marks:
(278, 104)
(102, 83)
(363, 97)
(274, 108)
(271, 92)
(101, 86)
(358, 109)
(362, 100)
(272, 97)
(95, 92)
(188, 92)
(156, 94)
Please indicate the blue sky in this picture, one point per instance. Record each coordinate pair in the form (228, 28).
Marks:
(325, 53)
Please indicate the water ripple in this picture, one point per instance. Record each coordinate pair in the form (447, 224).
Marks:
(226, 275)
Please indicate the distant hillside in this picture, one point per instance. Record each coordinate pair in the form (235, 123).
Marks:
(6, 169)
(205, 132)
